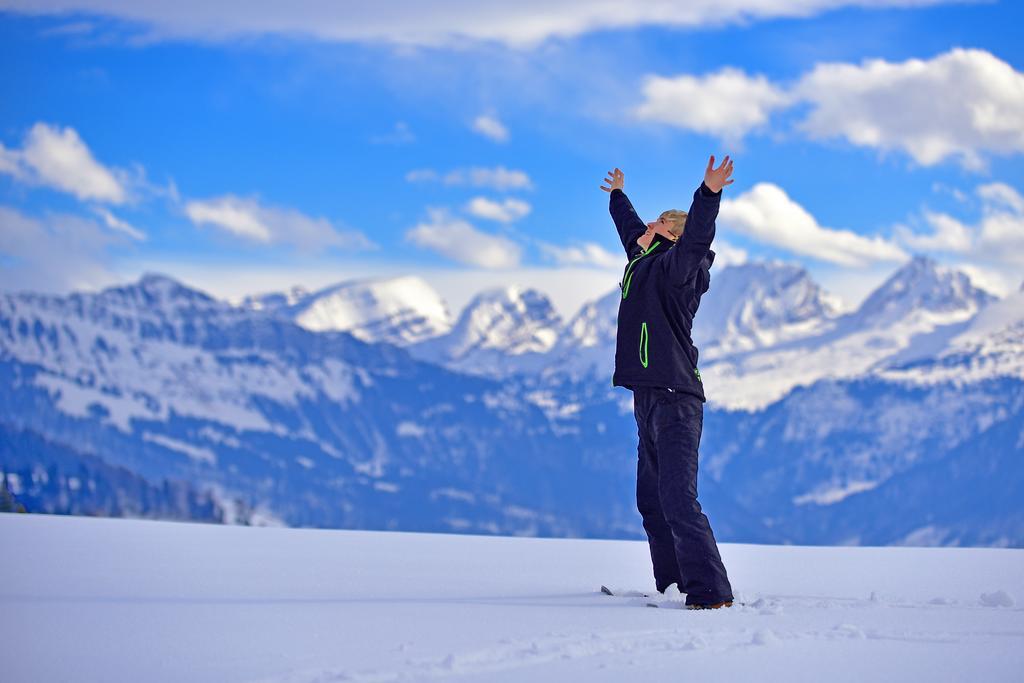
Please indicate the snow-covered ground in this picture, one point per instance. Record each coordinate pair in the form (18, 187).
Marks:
(86, 599)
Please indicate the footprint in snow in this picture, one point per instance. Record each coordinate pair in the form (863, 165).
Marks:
(999, 598)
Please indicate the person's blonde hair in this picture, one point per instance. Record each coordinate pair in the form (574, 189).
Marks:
(676, 221)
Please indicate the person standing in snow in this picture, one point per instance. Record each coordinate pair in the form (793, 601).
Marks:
(668, 271)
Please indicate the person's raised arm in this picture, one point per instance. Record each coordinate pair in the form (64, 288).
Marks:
(684, 258)
(627, 222)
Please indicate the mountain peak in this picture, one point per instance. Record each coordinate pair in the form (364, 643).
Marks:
(509, 294)
(500, 331)
(399, 310)
(921, 262)
(923, 285)
(760, 303)
(513, 317)
(157, 288)
(156, 282)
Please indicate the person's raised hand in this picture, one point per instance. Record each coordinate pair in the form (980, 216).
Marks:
(717, 178)
(614, 180)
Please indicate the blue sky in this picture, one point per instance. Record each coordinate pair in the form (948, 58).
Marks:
(245, 150)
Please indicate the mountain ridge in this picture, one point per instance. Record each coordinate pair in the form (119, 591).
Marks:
(324, 429)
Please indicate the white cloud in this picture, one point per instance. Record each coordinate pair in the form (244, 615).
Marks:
(728, 255)
(458, 240)
(1002, 224)
(994, 280)
(497, 178)
(489, 126)
(955, 192)
(422, 175)
(948, 234)
(401, 134)
(1002, 237)
(1000, 196)
(506, 211)
(767, 214)
(990, 249)
(247, 218)
(957, 105)
(727, 103)
(590, 254)
(56, 253)
(963, 104)
(997, 238)
(115, 223)
(437, 23)
(585, 254)
(74, 28)
(237, 216)
(11, 164)
(58, 158)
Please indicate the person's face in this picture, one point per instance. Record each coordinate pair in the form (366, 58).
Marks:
(655, 229)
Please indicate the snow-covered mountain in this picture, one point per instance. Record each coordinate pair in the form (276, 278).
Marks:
(403, 310)
(308, 428)
(922, 290)
(500, 331)
(764, 329)
(586, 346)
(751, 306)
(152, 350)
(251, 412)
(760, 304)
(987, 345)
(921, 303)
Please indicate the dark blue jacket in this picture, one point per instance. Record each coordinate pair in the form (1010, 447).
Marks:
(661, 289)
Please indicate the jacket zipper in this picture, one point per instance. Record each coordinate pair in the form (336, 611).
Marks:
(629, 270)
(643, 344)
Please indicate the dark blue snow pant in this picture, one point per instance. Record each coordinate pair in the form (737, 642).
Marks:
(683, 549)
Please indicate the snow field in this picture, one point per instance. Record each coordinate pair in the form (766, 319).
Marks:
(89, 599)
